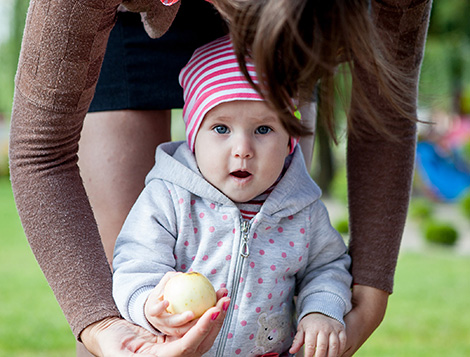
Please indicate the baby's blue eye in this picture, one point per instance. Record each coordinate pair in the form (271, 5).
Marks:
(263, 130)
(221, 129)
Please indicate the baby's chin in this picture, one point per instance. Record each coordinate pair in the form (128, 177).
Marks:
(242, 198)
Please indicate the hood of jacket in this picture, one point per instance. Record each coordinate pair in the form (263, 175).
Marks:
(177, 164)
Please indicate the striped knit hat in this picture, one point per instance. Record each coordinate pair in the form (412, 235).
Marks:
(211, 77)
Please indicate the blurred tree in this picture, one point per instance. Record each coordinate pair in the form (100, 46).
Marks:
(9, 52)
(447, 56)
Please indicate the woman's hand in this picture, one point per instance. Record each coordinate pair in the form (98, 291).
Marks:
(118, 338)
(369, 305)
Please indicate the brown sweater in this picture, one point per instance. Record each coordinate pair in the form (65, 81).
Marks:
(63, 48)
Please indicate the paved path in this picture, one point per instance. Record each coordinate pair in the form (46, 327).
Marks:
(413, 239)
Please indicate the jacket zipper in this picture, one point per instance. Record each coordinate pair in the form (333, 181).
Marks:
(244, 252)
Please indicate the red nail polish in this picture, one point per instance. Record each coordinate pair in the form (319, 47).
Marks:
(215, 315)
(225, 305)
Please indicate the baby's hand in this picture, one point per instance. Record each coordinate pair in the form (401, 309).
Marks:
(322, 335)
(155, 312)
(173, 324)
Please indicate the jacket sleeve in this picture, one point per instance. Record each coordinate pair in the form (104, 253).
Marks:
(62, 51)
(324, 286)
(380, 170)
(144, 251)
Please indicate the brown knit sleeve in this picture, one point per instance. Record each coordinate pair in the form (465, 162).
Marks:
(63, 47)
(380, 170)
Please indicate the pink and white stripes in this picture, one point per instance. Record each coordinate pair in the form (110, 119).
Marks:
(211, 77)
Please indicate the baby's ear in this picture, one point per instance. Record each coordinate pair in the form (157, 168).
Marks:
(156, 17)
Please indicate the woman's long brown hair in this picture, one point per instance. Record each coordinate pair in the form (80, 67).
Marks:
(297, 43)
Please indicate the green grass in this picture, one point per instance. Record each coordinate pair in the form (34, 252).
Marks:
(31, 322)
(428, 314)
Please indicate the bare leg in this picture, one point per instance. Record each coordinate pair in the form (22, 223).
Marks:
(117, 150)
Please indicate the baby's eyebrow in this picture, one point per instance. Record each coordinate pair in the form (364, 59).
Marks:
(266, 119)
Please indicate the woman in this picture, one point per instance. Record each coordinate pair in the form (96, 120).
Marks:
(63, 48)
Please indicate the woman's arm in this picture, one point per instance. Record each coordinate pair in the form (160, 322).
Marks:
(380, 173)
(63, 47)
(380, 169)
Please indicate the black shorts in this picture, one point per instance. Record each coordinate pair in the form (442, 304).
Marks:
(142, 73)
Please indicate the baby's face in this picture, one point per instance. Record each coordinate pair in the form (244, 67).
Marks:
(241, 147)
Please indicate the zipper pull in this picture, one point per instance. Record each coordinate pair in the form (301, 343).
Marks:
(245, 251)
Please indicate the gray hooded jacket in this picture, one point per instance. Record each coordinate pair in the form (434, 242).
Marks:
(182, 222)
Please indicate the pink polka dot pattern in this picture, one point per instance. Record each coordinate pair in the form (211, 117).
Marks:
(238, 351)
(228, 257)
(180, 201)
(273, 267)
(201, 215)
(193, 202)
(261, 252)
(280, 229)
(271, 241)
(258, 310)
(302, 230)
(260, 281)
(252, 336)
(243, 323)
(224, 217)
(252, 264)
(284, 255)
(211, 229)
(213, 271)
(220, 243)
(205, 257)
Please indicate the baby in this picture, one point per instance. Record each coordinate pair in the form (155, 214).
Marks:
(236, 203)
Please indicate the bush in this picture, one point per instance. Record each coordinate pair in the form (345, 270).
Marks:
(342, 226)
(339, 186)
(421, 209)
(465, 205)
(440, 233)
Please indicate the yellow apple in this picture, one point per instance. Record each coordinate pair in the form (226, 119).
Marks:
(189, 292)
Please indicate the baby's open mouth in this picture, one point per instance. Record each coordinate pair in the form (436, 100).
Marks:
(240, 174)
